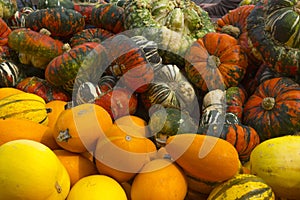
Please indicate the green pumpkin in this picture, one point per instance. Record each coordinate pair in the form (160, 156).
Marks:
(273, 28)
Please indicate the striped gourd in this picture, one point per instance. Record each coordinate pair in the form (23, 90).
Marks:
(24, 106)
(273, 28)
(10, 74)
(242, 186)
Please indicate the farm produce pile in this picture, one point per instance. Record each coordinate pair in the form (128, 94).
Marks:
(149, 99)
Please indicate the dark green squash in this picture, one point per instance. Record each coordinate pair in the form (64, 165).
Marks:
(61, 22)
(273, 28)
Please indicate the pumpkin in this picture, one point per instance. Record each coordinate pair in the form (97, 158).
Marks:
(88, 92)
(14, 129)
(4, 32)
(166, 122)
(90, 35)
(242, 186)
(63, 69)
(10, 74)
(244, 138)
(215, 61)
(35, 45)
(78, 128)
(108, 16)
(170, 88)
(159, 179)
(129, 62)
(184, 17)
(117, 146)
(42, 88)
(24, 106)
(235, 99)
(201, 155)
(118, 102)
(234, 23)
(76, 165)
(97, 187)
(276, 161)
(273, 109)
(19, 182)
(7, 8)
(273, 30)
(61, 22)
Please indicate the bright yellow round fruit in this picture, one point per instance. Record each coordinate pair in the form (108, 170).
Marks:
(96, 187)
(30, 170)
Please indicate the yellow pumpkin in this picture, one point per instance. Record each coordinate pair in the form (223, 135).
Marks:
(277, 162)
(96, 187)
(30, 170)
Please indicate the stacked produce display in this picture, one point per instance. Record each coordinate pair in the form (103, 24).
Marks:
(149, 99)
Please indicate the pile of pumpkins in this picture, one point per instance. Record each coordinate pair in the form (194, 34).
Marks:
(149, 99)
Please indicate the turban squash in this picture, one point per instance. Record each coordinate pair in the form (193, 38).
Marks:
(215, 61)
(273, 28)
(273, 110)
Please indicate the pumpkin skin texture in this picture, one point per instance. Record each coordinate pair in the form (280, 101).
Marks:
(14, 129)
(201, 155)
(97, 187)
(108, 16)
(42, 88)
(24, 106)
(276, 161)
(246, 186)
(273, 30)
(63, 69)
(159, 179)
(121, 155)
(7, 91)
(19, 182)
(215, 61)
(235, 100)
(31, 42)
(76, 164)
(56, 107)
(273, 110)
(90, 35)
(8, 8)
(234, 23)
(61, 22)
(4, 32)
(78, 128)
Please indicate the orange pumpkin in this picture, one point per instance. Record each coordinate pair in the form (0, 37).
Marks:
(121, 155)
(76, 165)
(12, 129)
(133, 125)
(204, 157)
(78, 128)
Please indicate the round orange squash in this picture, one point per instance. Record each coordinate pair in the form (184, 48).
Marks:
(12, 129)
(204, 157)
(76, 164)
(121, 155)
(159, 179)
(78, 128)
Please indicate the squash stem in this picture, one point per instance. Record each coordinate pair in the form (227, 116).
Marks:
(64, 136)
(268, 103)
(213, 61)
